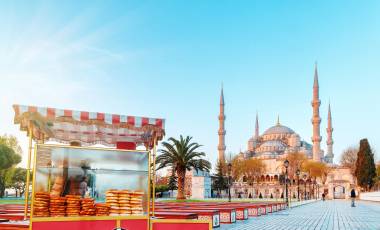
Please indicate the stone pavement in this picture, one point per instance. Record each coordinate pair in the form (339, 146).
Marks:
(336, 214)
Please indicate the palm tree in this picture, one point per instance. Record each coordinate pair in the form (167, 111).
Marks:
(182, 155)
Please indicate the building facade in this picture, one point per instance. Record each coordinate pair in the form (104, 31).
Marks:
(198, 184)
(275, 144)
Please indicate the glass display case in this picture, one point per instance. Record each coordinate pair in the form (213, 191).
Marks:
(76, 181)
(92, 188)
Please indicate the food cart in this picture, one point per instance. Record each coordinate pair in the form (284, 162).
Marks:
(92, 170)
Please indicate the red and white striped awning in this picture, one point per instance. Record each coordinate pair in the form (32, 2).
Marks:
(88, 128)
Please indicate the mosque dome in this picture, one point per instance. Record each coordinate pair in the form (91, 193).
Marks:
(271, 146)
(275, 141)
(279, 129)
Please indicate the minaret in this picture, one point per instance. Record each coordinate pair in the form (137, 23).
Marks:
(257, 126)
(221, 131)
(316, 120)
(330, 142)
(252, 142)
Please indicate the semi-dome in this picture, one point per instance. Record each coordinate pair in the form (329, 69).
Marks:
(277, 144)
(279, 129)
(271, 146)
(269, 154)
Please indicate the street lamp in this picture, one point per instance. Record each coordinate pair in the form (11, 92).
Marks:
(318, 190)
(304, 179)
(315, 189)
(286, 165)
(309, 194)
(229, 181)
(298, 184)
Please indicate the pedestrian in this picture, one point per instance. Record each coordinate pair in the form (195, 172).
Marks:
(353, 196)
(83, 187)
(323, 196)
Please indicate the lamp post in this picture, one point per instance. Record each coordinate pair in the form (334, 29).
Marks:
(229, 181)
(298, 184)
(318, 194)
(286, 165)
(304, 179)
(309, 196)
(317, 191)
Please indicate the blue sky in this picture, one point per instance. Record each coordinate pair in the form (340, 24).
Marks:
(168, 59)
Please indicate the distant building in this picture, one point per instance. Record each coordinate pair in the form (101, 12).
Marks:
(198, 184)
(276, 141)
(273, 147)
(339, 183)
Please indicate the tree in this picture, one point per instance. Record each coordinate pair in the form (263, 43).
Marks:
(220, 183)
(162, 188)
(365, 166)
(252, 169)
(17, 180)
(8, 158)
(172, 185)
(349, 157)
(377, 180)
(237, 169)
(162, 180)
(11, 142)
(315, 169)
(295, 162)
(182, 155)
(249, 169)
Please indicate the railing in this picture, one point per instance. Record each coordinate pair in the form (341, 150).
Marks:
(291, 201)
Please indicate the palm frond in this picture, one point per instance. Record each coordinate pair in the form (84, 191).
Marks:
(181, 153)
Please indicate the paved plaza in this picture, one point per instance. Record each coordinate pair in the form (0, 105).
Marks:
(337, 215)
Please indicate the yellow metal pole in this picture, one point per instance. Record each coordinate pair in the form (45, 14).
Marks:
(149, 178)
(154, 174)
(26, 194)
(33, 187)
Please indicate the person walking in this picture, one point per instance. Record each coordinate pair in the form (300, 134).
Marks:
(353, 196)
(83, 187)
(323, 196)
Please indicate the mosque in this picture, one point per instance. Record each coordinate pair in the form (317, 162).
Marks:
(276, 141)
(273, 147)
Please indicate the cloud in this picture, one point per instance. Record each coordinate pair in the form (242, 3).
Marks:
(47, 65)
